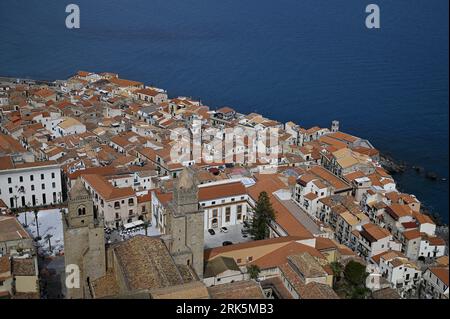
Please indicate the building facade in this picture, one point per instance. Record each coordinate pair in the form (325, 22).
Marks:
(30, 184)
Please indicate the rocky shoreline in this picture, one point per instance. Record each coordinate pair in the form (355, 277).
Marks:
(394, 167)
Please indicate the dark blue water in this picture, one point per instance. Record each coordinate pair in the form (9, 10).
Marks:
(309, 61)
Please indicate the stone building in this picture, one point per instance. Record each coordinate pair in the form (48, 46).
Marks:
(140, 267)
(84, 240)
(185, 229)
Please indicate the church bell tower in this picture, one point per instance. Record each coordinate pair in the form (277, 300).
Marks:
(84, 240)
(186, 223)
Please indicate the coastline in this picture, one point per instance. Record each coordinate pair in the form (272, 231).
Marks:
(392, 165)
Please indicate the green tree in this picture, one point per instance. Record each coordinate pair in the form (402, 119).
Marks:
(146, 226)
(263, 215)
(253, 271)
(336, 267)
(355, 274)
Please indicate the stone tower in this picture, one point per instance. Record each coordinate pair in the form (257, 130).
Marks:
(186, 223)
(334, 126)
(84, 240)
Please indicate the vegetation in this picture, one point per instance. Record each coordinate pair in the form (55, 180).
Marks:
(350, 281)
(253, 271)
(355, 273)
(337, 268)
(262, 217)
(36, 213)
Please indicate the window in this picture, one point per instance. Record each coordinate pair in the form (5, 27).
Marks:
(250, 258)
(238, 261)
(143, 209)
(130, 202)
(130, 212)
(21, 179)
(117, 215)
(32, 187)
(10, 190)
(9, 180)
(42, 176)
(116, 205)
(227, 214)
(44, 199)
(239, 212)
(53, 185)
(53, 175)
(214, 213)
(81, 211)
(31, 178)
(43, 186)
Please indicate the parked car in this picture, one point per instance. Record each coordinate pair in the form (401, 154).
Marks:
(224, 229)
(226, 243)
(211, 231)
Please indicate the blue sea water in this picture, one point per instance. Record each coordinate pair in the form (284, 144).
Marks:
(310, 61)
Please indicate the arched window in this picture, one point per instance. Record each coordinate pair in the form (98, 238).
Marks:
(81, 211)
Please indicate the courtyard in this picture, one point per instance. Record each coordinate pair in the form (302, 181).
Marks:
(234, 235)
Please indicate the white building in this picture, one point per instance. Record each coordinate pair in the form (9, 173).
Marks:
(373, 240)
(70, 126)
(29, 184)
(402, 274)
(436, 282)
(224, 204)
(117, 205)
(431, 247)
(222, 270)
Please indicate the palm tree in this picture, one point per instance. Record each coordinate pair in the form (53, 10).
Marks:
(146, 226)
(26, 222)
(48, 237)
(36, 212)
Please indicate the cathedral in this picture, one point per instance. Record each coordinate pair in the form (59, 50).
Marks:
(153, 267)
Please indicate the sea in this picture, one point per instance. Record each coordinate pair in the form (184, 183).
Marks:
(307, 61)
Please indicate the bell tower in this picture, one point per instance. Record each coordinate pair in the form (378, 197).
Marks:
(186, 223)
(334, 126)
(84, 240)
